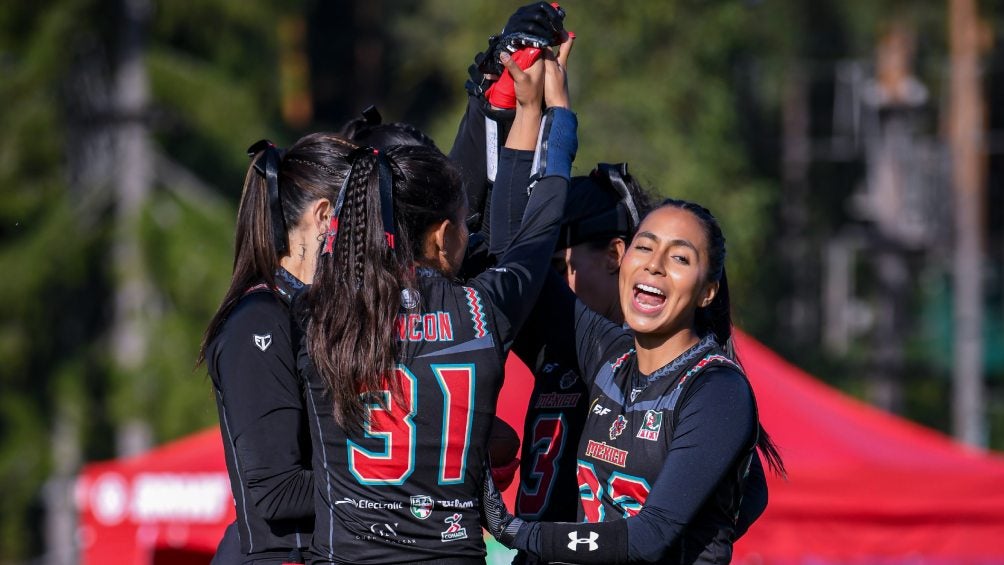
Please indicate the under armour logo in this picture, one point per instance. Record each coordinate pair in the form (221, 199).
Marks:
(262, 341)
(576, 540)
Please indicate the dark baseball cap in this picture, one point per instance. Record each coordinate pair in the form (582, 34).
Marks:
(599, 207)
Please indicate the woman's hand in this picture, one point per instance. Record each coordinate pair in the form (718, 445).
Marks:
(555, 74)
(528, 83)
(529, 87)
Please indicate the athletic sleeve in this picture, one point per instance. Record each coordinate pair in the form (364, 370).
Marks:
(754, 496)
(513, 286)
(715, 429)
(480, 136)
(507, 212)
(262, 408)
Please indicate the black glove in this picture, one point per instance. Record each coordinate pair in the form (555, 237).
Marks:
(534, 25)
(495, 517)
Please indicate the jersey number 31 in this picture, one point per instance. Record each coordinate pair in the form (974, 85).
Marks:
(392, 422)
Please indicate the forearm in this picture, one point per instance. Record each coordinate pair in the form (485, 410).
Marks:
(509, 204)
(279, 481)
(517, 280)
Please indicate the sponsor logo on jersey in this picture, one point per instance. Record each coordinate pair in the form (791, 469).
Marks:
(421, 506)
(456, 503)
(606, 453)
(410, 298)
(364, 504)
(651, 426)
(617, 428)
(590, 541)
(434, 326)
(454, 531)
(262, 341)
(598, 409)
(635, 392)
(567, 380)
(386, 532)
(557, 400)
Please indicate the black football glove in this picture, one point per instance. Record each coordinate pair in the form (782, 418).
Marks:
(534, 25)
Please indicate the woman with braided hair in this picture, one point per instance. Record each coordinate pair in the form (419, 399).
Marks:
(250, 346)
(402, 362)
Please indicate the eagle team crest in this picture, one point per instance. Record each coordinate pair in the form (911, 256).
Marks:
(617, 428)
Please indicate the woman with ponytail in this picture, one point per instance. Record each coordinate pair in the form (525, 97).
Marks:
(250, 347)
(402, 362)
(665, 453)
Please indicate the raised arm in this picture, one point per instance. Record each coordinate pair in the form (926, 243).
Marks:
(484, 128)
(488, 117)
(514, 284)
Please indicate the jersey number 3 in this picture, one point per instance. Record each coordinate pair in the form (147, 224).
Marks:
(392, 422)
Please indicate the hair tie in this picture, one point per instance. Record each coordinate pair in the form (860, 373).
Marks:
(269, 170)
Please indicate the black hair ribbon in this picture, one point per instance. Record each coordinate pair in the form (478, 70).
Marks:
(268, 167)
(386, 196)
(372, 116)
(385, 178)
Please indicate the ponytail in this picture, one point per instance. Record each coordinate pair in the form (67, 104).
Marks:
(369, 259)
(356, 296)
(255, 253)
(278, 187)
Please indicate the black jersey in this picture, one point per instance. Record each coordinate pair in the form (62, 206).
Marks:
(548, 489)
(405, 487)
(252, 365)
(662, 459)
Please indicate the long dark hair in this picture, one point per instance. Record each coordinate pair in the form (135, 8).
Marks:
(716, 317)
(314, 167)
(356, 293)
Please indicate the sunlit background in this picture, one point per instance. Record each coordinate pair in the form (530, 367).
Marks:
(854, 151)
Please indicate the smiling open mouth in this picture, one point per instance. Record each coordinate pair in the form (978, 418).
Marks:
(648, 298)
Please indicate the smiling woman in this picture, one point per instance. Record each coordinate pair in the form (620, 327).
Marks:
(664, 457)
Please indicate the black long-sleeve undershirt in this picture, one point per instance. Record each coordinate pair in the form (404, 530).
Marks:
(253, 368)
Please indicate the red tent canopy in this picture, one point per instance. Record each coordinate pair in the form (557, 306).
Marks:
(863, 486)
(169, 505)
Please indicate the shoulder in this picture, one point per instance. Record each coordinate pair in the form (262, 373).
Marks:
(721, 384)
(256, 308)
(257, 321)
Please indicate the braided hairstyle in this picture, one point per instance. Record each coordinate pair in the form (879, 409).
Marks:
(314, 167)
(716, 317)
(356, 294)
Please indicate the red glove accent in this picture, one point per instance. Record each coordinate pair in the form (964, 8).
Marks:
(504, 475)
(502, 94)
